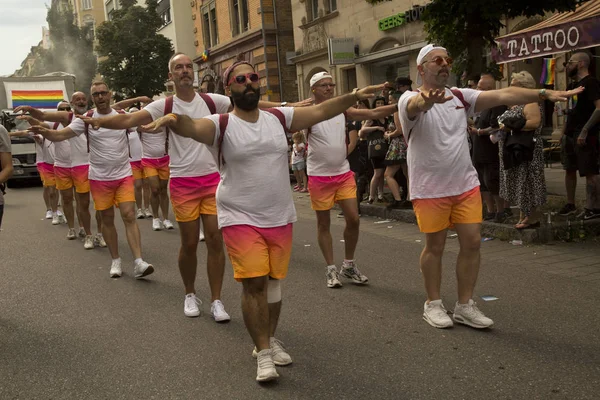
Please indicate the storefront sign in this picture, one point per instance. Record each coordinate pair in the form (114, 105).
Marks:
(400, 19)
(341, 51)
(557, 39)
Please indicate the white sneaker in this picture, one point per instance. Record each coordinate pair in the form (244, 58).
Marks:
(142, 269)
(201, 237)
(266, 367)
(333, 280)
(71, 235)
(469, 314)
(81, 233)
(49, 214)
(115, 268)
(88, 244)
(148, 213)
(61, 217)
(191, 305)
(436, 315)
(139, 214)
(349, 270)
(168, 224)
(217, 310)
(99, 240)
(279, 353)
(156, 224)
(55, 219)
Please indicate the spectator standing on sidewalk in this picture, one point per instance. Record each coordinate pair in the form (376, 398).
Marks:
(298, 162)
(485, 155)
(374, 132)
(444, 185)
(580, 147)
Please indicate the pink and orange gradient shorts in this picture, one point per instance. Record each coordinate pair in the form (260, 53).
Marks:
(326, 190)
(192, 196)
(66, 178)
(137, 170)
(47, 174)
(435, 215)
(257, 251)
(108, 193)
(156, 167)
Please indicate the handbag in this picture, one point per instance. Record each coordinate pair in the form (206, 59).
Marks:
(518, 148)
(378, 148)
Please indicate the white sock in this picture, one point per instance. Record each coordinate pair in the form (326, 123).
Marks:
(331, 266)
(137, 261)
(117, 259)
(348, 261)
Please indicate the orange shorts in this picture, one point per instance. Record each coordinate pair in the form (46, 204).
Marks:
(326, 190)
(192, 196)
(137, 169)
(108, 193)
(156, 167)
(66, 178)
(47, 173)
(435, 215)
(258, 252)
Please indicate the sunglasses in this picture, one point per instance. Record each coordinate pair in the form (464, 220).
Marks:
(97, 94)
(64, 109)
(439, 60)
(569, 62)
(242, 79)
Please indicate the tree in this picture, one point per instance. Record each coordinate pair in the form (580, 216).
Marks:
(467, 27)
(137, 57)
(71, 48)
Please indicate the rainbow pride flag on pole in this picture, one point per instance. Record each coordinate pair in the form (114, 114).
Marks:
(548, 68)
(36, 98)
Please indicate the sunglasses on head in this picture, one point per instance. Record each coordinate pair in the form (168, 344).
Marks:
(439, 60)
(64, 109)
(242, 79)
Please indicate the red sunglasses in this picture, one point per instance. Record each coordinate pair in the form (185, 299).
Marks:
(241, 79)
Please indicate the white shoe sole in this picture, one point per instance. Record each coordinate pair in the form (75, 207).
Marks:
(469, 323)
(146, 272)
(115, 275)
(430, 322)
(71, 237)
(268, 378)
(278, 363)
(220, 319)
(191, 314)
(354, 280)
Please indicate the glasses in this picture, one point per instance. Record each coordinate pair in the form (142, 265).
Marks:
(439, 60)
(98, 94)
(569, 62)
(326, 85)
(64, 109)
(242, 79)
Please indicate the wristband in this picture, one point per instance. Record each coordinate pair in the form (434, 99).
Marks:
(174, 116)
(355, 93)
(542, 94)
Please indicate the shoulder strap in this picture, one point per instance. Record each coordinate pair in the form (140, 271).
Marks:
(223, 121)
(209, 102)
(86, 129)
(279, 116)
(458, 94)
(168, 110)
(56, 124)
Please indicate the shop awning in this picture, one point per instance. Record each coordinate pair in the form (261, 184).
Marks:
(559, 33)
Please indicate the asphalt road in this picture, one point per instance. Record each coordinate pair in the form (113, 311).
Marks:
(68, 331)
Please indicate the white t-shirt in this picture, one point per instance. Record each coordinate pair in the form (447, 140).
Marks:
(327, 149)
(62, 151)
(188, 157)
(439, 164)
(79, 153)
(135, 145)
(255, 183)
(48, 151)
(298, 151)
(153, 144)
(39, 151)
(109, 154)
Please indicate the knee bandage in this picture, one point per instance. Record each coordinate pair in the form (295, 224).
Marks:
(274, 291)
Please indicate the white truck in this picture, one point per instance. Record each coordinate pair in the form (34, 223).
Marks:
(43, 92)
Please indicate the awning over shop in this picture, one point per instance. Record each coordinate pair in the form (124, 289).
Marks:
(559, 33)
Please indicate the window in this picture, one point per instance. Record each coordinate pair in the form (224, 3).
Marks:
(86, 4)
(164, 11)
(166, 16)
(209, 25)
(90, 29)
(332, 5)
(313, 9)
(239, 16)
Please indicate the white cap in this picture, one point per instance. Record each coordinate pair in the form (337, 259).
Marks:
(319, 76)
(422, 54)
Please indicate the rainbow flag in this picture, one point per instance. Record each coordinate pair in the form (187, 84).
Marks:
(36, 98)
(548, 67)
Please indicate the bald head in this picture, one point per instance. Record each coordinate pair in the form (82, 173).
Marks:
(486, 82)
(583, 57)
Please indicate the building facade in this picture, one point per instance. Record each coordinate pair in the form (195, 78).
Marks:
(258, 31)
(367, 44)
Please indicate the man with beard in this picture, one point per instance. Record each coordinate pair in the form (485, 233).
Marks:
(443, 182)
(77, 176)
(254, 201)
(331, 180)
(110, 178)
(579, 147)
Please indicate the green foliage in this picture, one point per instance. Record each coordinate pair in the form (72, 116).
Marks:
(466, 27)
(136, 56)
(71, 49)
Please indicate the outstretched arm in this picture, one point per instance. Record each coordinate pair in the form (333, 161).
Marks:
(51, 134)
(305, 117)
(123, 104)
(19, 134)
(51, 116)
(356, 114)
(201, 130)
(513, 95)
(120, 121)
